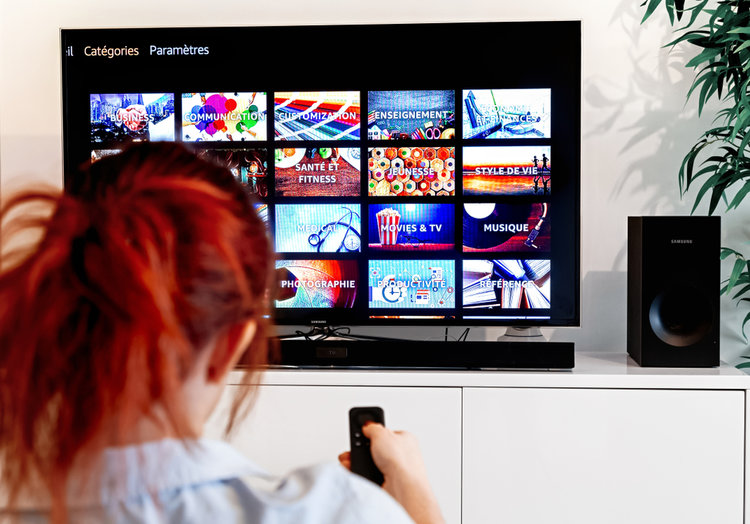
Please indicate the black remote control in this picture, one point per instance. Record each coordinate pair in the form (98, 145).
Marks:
(362, 463)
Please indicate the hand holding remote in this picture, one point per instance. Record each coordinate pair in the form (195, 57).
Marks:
(361, 461)
(397, 457)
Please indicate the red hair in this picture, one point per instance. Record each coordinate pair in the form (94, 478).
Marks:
(144, 260)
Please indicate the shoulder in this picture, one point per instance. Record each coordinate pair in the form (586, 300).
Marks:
(213, 482)
(209, 481)
(324, 493)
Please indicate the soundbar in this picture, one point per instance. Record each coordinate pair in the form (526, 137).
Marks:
(426, 354)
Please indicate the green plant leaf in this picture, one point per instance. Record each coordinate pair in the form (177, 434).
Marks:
(740, 196)
(742, 292)
(743, 145)
(652, 5)
(707, 185)
(742, 120)
(704, 171)
(697, 11)
(704, 56)
(688, 176)
(687, 36)
(739, 266)
(669, 4)
(707, 90)
(680, 7)
(717, 194)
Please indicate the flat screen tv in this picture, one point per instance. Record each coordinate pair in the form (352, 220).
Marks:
(405, 171)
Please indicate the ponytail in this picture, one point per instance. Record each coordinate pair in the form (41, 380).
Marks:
(150, 256)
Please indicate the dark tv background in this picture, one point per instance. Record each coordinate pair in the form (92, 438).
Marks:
(455, 56)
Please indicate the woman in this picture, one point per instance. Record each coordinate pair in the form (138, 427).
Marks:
(117, 331)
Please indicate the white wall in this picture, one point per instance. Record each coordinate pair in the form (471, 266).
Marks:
(636, 127)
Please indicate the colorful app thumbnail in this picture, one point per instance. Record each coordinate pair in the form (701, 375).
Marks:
(136, 117)
(489, 227)
(411, 171)
(324, 171)
(411, 227)
(417, 115)
(316, 283)
(318, 228)
(317, 115)
(98, 154)
(262, 210)
(507, 113)
(249, 166)
(507, 170)
(506, 284)
(412, 284)
(216, 117)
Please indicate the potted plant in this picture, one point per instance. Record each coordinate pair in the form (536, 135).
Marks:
(718, 164)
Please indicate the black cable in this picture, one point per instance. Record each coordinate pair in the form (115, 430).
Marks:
(323, 332)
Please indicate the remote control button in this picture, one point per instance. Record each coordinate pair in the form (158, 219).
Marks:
(365, 417)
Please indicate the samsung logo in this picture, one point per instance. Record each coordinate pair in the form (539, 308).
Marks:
(682, 241)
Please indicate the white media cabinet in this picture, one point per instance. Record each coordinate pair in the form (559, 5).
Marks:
(608, 442)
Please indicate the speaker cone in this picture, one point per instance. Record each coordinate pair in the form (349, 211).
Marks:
(681, 316)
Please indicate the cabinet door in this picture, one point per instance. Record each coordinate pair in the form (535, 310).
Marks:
(603, 455)
(292, 426)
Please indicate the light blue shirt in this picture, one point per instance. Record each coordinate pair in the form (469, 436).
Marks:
(209, 482)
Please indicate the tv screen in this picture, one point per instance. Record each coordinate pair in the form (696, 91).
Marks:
(400, 186)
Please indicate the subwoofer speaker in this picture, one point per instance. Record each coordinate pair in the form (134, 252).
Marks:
(673, 291)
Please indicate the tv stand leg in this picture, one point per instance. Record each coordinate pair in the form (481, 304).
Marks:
(522, 334)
